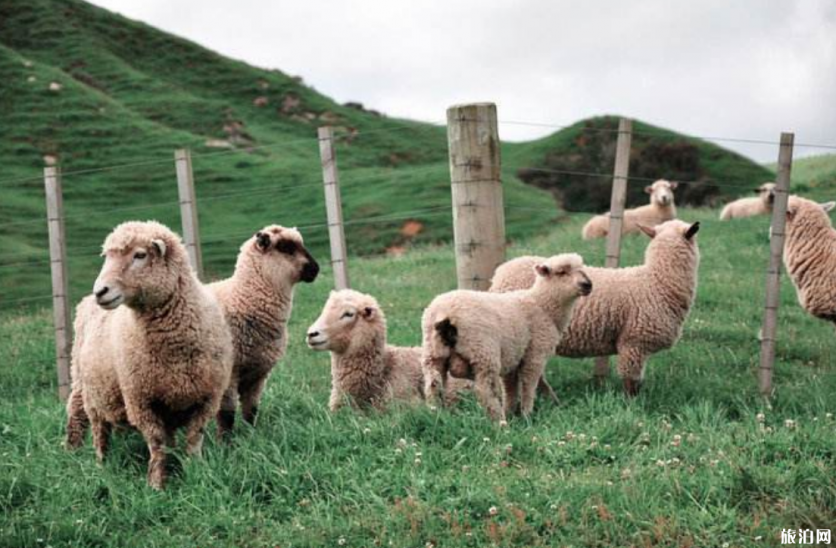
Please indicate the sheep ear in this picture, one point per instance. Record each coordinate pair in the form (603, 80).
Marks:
(674, 184)
(368, 312)
(542, 270)
(160, 246)
(790, 213)
(651, 232)
(648, 189)
(828, 206)
(693, 229)
(262, 241)
(757, 190)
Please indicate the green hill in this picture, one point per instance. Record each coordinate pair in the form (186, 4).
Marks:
(94, 90)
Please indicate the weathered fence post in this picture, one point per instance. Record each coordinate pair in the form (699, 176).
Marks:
(58, 265)
(619, 196)
(773, 273)
(188, 208)
(333, 207)
(475, 180)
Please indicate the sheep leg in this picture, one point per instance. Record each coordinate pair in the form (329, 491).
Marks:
(631, 369)
(512, 383)
(250, 398)
(101, 436)
(435, 382)
(77, 419)
(530, 373)
(226, 414)
(336, 399)
(488, 387)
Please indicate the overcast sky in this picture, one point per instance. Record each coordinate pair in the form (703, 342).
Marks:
(746, 69)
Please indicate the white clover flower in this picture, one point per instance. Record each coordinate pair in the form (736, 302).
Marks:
(341, 541)
(493, 511)
(789, 423)
(760, 417)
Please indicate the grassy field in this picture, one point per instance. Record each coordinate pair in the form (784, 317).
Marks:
(688, 463)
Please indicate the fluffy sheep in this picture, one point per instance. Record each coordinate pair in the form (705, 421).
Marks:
(810, 256)
(501, 338)
(660, 209)
(160, 362)
(257, 302)
(634, 312)
(749, 207)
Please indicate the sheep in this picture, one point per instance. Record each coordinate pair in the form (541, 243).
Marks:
(749, 207)
(810, 256)
(160, 362)
(257, 302)
(634, 312)
(490, 336)
(660, 209)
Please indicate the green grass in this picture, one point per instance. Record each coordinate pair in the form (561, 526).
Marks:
(598, 470)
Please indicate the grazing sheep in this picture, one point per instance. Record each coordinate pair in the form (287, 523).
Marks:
(660, 209)
(634, 312)
(162, 361)
(810, 256)
(489, 336)
(749, 207)
(257, 302)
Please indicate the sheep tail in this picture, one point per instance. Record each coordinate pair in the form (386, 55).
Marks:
(447, 332)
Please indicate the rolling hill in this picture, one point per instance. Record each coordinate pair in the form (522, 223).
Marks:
(92, 90)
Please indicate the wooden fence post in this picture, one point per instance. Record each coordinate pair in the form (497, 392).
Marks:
(58, 265)
(617, 201)
(333, 207)
(188, 208)
(773, 273)
(475, 180)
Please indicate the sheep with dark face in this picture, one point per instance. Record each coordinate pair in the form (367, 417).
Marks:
(257, 302)
(501, 338)
(749, 207)
(660, 209)
(151, 347)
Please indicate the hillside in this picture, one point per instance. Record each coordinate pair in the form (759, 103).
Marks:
(91, 90)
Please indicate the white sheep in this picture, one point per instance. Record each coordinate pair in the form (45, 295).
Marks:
(810, 256)
(660, 209)
(495, 338)
(749, 207)
(160, 362)
(257, 302)
(634, 312)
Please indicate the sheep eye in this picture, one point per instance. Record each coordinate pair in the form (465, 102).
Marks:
(286, 247)
(139, 255)
(347, 315)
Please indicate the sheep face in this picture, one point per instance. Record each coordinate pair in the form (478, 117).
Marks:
(661, 192)
(766, 192)
(565, 274)
(279, 254)
(142, 266)
(348, 320)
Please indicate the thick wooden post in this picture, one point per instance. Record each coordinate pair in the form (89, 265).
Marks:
(188, 208)
(333, 207)
(61, 313)
(773, 273)
(478, 210)
(617, 201)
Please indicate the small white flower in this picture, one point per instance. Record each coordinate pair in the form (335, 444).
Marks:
(341, 541)
(534, 439)
(581, 437)
(561, 443)
(398, 450)
(828, 415)
(417, 462)
(609, 483)
(493, 511)
(402, 442)
(418, 454)
(607, 447)
(503, 423)
(553, 507)
(760, 417)
(789, 423)
(367, 430)
(660, 462)
(759, 537)
(725, 545)
(486, 440)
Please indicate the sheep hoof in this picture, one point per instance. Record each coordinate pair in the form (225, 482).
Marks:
(250, 417)
(226, 420)
(632, 387)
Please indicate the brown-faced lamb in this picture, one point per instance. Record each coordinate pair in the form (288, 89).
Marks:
(257, 301)
(810, 256)
(634, 312)
(660, 209)
(151, 347)
(749, 207)
(501, 338)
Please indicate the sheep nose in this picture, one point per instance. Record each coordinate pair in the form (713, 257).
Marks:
(312, 334)
(586, 287)
(99, 293)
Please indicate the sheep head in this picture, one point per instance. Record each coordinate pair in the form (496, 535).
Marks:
(349, 320)
(661, 192)
(766, 192)
(563, 274)
(804, 212)
(278, 254)
(143, 264)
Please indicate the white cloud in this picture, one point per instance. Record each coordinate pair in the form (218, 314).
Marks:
(717, 68)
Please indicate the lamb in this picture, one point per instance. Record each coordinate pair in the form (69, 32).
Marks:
(257, 302)
(749, 207)
(363, 366)
(660, 209)
(160, 362)
(489, 336)
(810, 256)
(634, 312)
